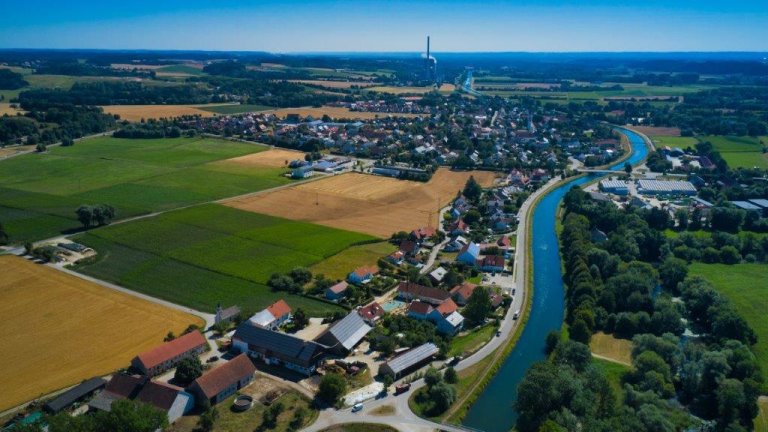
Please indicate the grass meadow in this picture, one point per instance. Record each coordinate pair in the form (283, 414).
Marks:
(744, 285)
(40, 192)
(339, 265)
(744, 152)
(210, 254)
(675, 141)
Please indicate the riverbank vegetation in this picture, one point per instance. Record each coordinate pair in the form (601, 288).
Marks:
(612, 287)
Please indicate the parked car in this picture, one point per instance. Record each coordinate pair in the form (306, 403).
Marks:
(517, 314)
(402, 388)
(212, 359)
(498, 333)
(357, 407)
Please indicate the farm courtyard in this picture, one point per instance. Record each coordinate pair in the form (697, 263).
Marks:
(210, 254)
(373, 205)
(40, 192)
(58, 330)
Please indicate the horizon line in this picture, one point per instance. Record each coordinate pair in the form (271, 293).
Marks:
(383, 52)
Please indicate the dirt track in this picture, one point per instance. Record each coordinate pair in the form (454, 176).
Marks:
(364, 203)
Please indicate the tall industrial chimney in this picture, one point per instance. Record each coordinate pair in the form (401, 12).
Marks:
(427, 48)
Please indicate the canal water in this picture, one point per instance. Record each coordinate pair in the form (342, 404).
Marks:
(493, 411)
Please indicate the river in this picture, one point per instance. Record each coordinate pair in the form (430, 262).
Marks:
(493, 412)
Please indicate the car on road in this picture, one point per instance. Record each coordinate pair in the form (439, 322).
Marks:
(498, 333)
(517, 314)
(357, 407)
(514, 290)
(402, 388)
(212, 359)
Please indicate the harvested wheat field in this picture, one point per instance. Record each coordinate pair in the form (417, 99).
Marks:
(59, 329)
(444, 88)
(364, 203)
(5, 108)
(333, 112)
(137, 112)
(657, 131)
(13, 150)
(273, 158)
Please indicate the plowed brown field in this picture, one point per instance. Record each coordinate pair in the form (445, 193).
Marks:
(58, 329)
(364, 203)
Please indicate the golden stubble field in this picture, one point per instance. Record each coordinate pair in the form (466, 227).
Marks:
(273, 158)
(364, 203)
(135, 113)
(57, 329)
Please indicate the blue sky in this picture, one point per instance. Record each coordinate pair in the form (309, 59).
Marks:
(399, 25)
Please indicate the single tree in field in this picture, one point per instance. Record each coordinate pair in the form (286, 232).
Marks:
(188, 370)
(85, 215)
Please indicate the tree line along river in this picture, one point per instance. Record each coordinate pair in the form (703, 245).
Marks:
(493, 411)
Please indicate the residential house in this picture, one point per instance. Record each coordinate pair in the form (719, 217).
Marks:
(419, 310)
(504, 242)
(449, 324)
(409, 291)
(275, 315)
(337, 292)
(223, 381)
(469, 254)
(166, 356)
(438, 274)
(396, 257)
(174, 401)
(422, 234)
(278, 349)
(491, 263)
(459, 228)
(362, 275)
(461, 293)
(226, 315)
(409, 360)
(342, 336)
(410, 248)
(371, 312)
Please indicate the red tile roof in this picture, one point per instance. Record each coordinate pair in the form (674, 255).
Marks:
(424, 232)
(339, 287)
(169, 350)
(217, 380)
(408, 246)
(422, 308)
(371, 311)
(465, 290)
(423, 292)
(159, 394)
(126, 386)
(279, 308)
(492, 261)
(504, 241)
(447, 307)
(362, 271)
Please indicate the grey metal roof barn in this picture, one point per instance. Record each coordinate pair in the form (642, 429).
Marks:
(409, 359)
(75, 394)
(346, 333)
(662, 187)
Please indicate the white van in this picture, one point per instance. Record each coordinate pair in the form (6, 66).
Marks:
(357, 407)
(517, 314)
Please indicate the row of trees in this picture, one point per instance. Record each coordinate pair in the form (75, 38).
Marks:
(95, 215)
(124, 416)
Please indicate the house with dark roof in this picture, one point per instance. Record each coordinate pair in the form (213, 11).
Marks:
(419, 310)
(277, 349)
(409, 291)
(166, 356)
(343, 335)
(222, 382)
(174, 401)
(371, 312)
(409, 248)
(75, 394)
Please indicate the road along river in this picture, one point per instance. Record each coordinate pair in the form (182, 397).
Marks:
(493, 411)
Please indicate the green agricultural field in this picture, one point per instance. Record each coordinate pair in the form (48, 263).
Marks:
(744, 285)
(339, 265)
(210, 254)
(180, 69)
(674, 141)
(40, 192)
(745, 152)
(235, 108)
